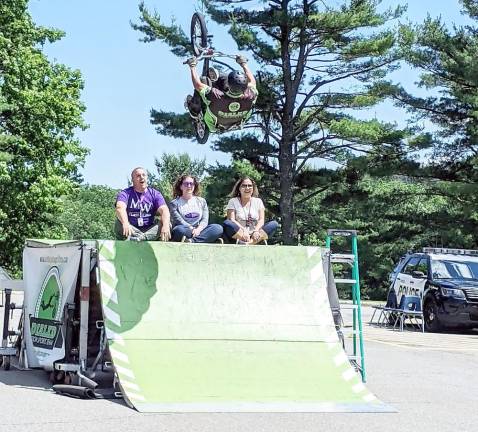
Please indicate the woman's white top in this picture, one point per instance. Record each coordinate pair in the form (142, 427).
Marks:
(247, 215)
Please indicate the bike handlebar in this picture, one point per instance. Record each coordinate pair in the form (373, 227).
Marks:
(209, 53)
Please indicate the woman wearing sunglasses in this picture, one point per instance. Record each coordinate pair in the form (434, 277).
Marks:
(245, 215)
(190, 215)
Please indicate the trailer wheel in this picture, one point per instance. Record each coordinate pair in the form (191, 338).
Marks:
(57, 377)
(6, 362)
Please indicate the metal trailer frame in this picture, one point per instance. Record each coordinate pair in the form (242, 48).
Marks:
(79, 372)
(9, 348)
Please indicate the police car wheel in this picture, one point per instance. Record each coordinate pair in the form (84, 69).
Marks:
(432, 324)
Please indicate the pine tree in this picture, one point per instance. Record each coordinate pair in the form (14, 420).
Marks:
(318, 64)
(447, 60)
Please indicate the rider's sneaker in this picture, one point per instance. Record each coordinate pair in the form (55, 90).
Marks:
(213, 74)
(187, 101)
(187, 104)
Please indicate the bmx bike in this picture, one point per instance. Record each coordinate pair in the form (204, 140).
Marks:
(203, 51)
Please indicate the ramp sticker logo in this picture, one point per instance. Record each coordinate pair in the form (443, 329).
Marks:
(234, 106)
(45, 327)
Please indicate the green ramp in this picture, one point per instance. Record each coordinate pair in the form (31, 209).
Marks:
(225, 328)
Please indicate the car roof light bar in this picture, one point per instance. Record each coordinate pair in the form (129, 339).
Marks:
(450, 251)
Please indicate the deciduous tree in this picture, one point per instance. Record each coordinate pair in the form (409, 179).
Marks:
(40, 109)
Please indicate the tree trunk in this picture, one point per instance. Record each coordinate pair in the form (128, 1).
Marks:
(286, 202)
(286, 156)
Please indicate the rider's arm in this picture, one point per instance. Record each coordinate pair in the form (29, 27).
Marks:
(198, 85)
(251, 81)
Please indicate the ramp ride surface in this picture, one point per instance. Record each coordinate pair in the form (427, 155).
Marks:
(212, 328)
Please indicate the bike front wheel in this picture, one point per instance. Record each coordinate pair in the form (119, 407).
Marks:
(198, 33)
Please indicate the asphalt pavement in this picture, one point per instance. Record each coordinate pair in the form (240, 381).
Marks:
(431, 379)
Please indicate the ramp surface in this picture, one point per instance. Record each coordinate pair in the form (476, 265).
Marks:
(222, 328)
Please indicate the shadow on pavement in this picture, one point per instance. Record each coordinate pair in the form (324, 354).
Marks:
(37, 379)
(32, 379)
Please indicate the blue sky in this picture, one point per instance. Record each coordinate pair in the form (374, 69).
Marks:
(125, 78)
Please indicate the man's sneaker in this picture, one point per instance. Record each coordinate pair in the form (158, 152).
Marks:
(220, 240)
(186, 240)
(213, 74)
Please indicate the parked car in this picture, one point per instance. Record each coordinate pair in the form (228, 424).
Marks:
(396, 269)
(446, 281)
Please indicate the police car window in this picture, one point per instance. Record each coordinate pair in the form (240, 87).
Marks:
(422, 266)
(410, 265)
(447, 269)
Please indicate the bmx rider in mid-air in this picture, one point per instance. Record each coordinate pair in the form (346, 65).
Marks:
(227, 103)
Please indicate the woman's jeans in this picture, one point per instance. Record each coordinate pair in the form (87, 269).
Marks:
(230, 228)
(208, 235)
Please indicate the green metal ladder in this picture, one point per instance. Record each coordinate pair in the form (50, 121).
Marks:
(357, 357)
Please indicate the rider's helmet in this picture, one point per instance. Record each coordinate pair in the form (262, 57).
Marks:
(236, 82)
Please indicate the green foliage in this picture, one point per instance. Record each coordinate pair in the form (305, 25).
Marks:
(447, 60)
(153, 30)
(89, 213)
(393, 214)
(40, 110)
(170, 167)
(173, 125)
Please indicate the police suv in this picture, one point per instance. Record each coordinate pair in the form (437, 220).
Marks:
(446, 281)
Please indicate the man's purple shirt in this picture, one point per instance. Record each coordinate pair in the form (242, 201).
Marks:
(141, 206)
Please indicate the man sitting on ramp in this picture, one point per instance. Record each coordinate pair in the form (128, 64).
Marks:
(228, 102)
(136, 208)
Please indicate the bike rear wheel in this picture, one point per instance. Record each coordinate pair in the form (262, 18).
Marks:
(198, 33)
(201, 131)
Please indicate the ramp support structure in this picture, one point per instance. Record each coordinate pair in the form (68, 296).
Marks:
(358, 354)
